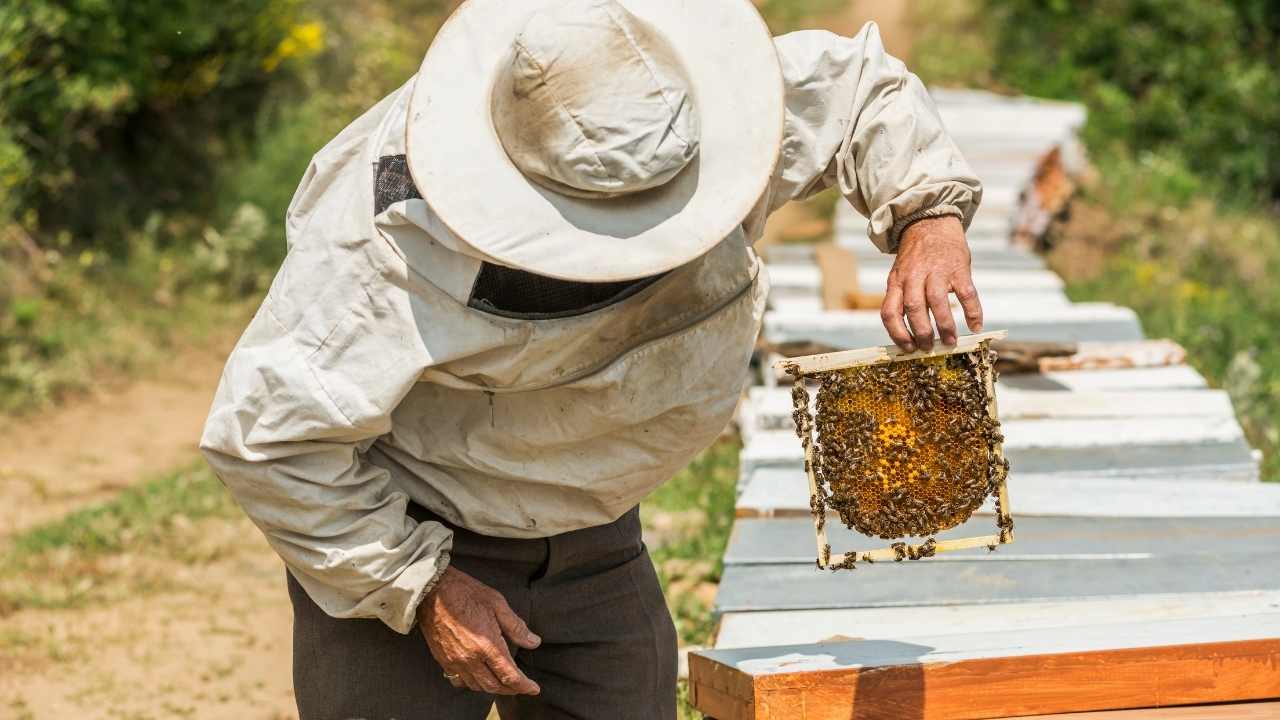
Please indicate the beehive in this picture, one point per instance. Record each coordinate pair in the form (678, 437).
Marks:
(902, 445)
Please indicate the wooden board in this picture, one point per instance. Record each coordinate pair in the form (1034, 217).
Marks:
(838, 269)
(1177, 377)
(745, 588)
(789, 541)
(1257, 710)
(863, 328)
(1138, 379)
(987, 280)
(806, 276)
(782, 492)
(984, 675)
(795, 627)
(771, 408)
(1106, 448)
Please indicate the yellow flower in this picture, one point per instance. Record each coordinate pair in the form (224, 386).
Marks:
(303, 39)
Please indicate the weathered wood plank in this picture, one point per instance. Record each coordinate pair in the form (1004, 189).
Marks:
(1162, 446)
(795, 627)
(1120, 376)
(790, 278)
(1174, 377)
(971, 676)
(954, 582)
(771, 408)
(1257, 710)
(789, 541)
(863, 328)
(777, 492)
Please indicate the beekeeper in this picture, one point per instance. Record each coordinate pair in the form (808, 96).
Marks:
(520, 294)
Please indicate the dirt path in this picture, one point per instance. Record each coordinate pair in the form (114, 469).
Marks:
(195, 639)
(84, 452)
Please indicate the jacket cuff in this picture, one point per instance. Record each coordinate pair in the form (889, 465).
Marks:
(900, 226)
(422, 577)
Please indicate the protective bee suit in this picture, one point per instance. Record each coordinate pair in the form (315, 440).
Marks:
(518, 389)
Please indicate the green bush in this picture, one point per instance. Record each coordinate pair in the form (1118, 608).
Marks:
(1198, 82)
(111, 110)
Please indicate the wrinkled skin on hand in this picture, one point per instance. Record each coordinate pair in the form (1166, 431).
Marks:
(467, 624)
(933, 261)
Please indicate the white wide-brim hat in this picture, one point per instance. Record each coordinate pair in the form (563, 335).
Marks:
(462, 170)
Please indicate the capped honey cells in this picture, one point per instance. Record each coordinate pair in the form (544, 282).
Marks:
(903, 449)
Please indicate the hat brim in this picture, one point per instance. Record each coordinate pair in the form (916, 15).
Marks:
(464, 174)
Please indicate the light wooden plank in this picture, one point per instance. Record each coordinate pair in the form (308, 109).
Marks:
(839, 271)
(968, 676)
(795, 627)
(789, 541)
(933, 582)
(1257, 710)
(1176, 377)
(1056, 445)
(985, 280)
(771, 492)
(771, 408)
(881, 354)
(863, 328)
(1136, 379)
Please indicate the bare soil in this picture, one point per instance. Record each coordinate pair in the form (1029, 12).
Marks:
(213, 641)
(85, 451)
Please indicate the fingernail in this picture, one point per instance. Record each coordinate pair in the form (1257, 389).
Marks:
(909, 347)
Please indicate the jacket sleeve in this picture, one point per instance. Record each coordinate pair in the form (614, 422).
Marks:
(857, 119)
(293, 414)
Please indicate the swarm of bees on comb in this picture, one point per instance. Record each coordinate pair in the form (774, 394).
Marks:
(903, 448)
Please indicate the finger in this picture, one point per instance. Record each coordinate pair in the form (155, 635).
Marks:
(479, 678)
(967, 294)
(514, 682)
(891, 316)
(936, 290)
(917, 309)
(514, 627)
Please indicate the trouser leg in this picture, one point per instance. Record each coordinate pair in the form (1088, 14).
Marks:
(364, 669)
(609, 646)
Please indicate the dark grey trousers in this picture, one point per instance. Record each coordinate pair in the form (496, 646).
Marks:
(608, 644)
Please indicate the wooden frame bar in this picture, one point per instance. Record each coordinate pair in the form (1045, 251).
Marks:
(823, 362)
(993, 687)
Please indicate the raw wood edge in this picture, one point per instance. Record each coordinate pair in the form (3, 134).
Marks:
(889, 554)
(1004, 518)
(822, 362)
(818, 511)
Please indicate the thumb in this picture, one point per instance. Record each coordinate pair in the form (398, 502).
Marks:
(514, 628)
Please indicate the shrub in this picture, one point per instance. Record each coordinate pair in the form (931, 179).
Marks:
(1194, 81)
(111, 110)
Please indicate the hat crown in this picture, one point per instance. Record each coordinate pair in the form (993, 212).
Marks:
(594, 102)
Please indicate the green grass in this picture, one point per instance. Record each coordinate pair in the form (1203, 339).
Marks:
(687, 522)
(63, 563)
(1194, 271)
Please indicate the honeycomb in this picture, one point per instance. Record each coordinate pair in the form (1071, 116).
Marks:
(903, 449)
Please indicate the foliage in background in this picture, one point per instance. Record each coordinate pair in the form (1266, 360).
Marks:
(114, 109)
(226, 116)
(1193, 272)
(1180, 222)
(1198, 82)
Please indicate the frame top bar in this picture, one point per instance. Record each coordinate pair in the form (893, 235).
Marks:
(880, 354)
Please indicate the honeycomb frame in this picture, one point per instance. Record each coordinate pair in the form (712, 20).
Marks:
(827, 365)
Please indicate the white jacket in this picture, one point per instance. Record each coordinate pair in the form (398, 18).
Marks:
(368, 378)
